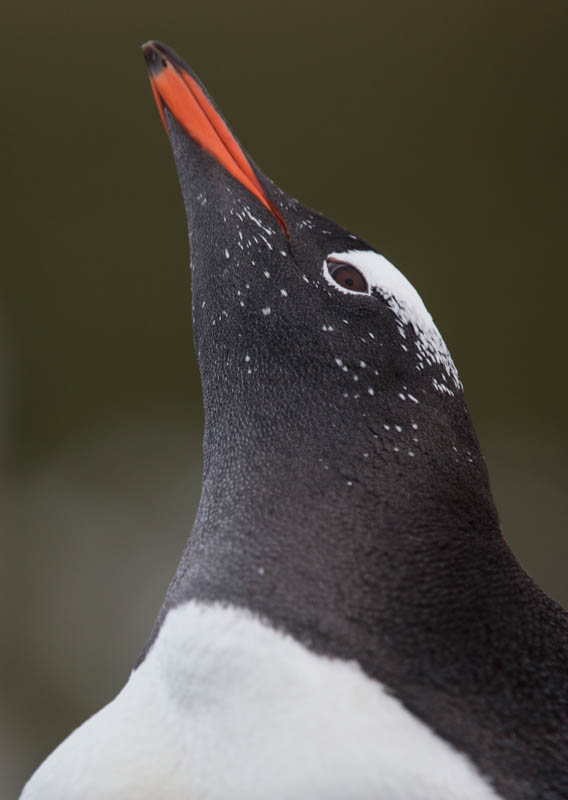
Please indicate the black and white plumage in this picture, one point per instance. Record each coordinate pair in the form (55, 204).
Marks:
(346, 620)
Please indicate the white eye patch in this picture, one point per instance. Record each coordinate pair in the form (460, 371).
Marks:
(403, 300)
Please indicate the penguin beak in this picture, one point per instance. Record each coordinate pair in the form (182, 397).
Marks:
(177, 89)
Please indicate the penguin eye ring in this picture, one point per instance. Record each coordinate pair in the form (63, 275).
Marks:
(347, 276)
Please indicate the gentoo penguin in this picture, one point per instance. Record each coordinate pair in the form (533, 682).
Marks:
(347, 621)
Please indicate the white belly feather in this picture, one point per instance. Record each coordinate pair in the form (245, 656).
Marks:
(226, 708)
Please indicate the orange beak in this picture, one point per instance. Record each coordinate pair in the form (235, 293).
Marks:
(173, 86)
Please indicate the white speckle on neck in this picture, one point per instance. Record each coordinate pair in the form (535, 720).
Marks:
(266, 311)
(441, 387)
(257, 221)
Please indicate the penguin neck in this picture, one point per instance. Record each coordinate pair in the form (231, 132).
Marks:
(343, 538)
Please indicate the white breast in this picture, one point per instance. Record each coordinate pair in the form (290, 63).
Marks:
(226, 708)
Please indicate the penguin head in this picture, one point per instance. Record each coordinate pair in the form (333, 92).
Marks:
(306, 335)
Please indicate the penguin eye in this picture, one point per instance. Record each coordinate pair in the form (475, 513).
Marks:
(347, 276)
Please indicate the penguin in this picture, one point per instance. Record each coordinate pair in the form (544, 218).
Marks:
(347, 620)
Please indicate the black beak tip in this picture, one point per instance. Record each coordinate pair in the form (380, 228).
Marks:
(155, 61)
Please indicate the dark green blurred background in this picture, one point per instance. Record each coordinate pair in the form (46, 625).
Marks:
(436, 130)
